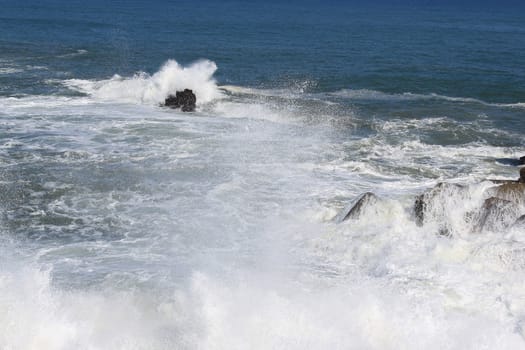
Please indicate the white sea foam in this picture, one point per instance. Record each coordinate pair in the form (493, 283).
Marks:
(10, 70)
(295, 89)
(178, 224)
(153, 89)
(77, 53)
(358, 94)
(365, 94)
(407, 96)
(515, 105)
(259, 111)
(13, 68)
(414, 310)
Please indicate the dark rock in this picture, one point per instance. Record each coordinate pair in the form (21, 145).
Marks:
(522, 160)
(511, 191)
(520, 222)
(357, 208)
(522, 175)
(185, 100)
(496, 214)
(420, 206)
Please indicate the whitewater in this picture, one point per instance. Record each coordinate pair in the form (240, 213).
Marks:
(126, 225)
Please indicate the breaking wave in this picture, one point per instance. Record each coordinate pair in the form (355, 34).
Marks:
(134, 208)
(153, 89)
(211, 314)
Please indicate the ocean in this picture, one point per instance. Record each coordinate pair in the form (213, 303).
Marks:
(128, 225)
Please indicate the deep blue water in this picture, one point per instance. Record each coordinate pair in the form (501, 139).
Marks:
(460, 51)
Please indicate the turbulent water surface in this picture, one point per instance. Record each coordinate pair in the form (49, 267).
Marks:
(125, 225)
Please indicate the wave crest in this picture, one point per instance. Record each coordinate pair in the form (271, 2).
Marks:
(153, 89)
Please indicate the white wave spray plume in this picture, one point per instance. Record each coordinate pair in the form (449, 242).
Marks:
(152, 89)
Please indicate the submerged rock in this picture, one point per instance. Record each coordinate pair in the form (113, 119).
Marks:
(496, 214)
(366, 200)
(185, 100)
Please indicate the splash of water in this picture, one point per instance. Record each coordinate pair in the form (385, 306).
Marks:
(153, 89)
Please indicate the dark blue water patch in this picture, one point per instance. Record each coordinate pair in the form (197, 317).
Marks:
(509, 161)
(457, 52)
(434, 119)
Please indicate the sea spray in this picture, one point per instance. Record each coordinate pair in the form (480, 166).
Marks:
(153, 89)
(216, 313)
(171, 226)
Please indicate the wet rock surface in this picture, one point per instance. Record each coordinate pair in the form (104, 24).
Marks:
(366, 200)
(185, 100)
(449, 207)
(511, 191)
(496, 214)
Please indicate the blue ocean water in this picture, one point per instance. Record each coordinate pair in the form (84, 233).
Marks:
(456, 51)
(126, 225)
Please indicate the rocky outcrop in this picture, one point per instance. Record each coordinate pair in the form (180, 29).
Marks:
(449, 208)
(522, 160)
(496, 214)
(505, 203)
(356, 209)
(185, 100)
(432, 201)
(511, 191)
